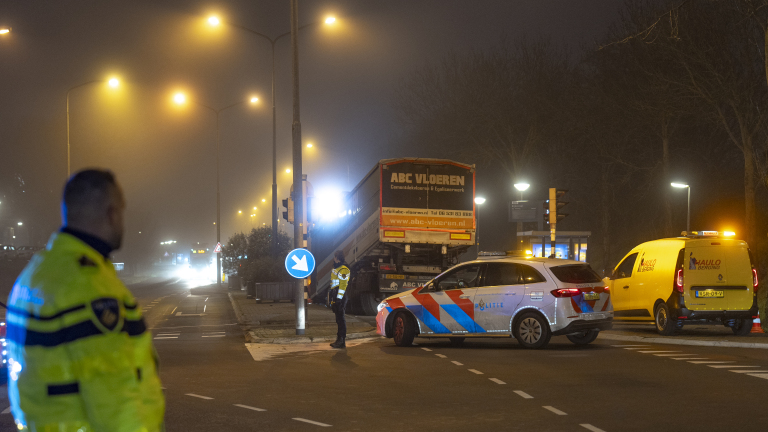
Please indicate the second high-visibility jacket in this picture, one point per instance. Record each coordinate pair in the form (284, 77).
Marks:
(79, 355)
(339, 280)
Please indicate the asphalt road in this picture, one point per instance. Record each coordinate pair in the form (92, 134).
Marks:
(214, 381)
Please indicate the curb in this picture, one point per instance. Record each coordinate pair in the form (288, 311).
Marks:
(671, 341)
(238, 312)
(307, 339)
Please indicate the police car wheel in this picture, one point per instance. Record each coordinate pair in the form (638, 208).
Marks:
(742, 327)
(584, 337)
(665, 324)
(532, 331)
(403, 330)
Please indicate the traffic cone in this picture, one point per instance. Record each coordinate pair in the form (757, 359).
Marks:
(756, 328)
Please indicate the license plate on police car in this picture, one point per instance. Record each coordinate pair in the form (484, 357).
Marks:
(710, 294)
(591, 296)
(593, 316)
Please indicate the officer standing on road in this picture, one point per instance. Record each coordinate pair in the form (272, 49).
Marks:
(79, 355)
(339, 281)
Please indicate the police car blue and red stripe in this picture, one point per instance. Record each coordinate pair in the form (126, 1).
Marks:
(529, 298)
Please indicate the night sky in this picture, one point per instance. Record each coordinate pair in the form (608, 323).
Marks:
(165, 155)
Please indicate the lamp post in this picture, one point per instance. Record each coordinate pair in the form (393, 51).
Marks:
(215, 21)
(479, 201)
(112, 82)
(522, 187)
(179, 99)
(685, 186)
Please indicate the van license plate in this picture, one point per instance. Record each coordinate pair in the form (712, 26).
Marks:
(710, 293)
(591, 296)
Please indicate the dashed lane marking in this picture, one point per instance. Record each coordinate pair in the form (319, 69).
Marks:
(6, 411)
(674, 355)
(523, 394)
(710, 362)
(635, 348)
(441, 356)
(730, 366)
(590, 427)
(198, 396)
(624, 346)
(166, 337)
(497, 381)
(759, 375)
(688, 358)
(426, 349)
(554, 410)
(654, 352)
(311, 422)
(250, 407)
(475, 371)
(746, 371)
(457, 363)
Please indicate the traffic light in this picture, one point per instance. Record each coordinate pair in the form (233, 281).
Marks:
(288, 214)
(555, 205)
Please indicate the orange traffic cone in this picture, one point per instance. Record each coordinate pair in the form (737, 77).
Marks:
(756, 328)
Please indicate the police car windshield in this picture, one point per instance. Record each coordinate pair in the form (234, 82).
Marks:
(575, 273)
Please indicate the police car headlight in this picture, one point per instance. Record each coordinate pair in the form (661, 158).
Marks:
(381, 306)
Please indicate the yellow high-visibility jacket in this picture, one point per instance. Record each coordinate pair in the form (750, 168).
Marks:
(339, 280)
(79, 355)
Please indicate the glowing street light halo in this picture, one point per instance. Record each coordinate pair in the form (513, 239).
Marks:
(5, 30)
(330, 20)
(254, 99)
(479, 200)
(179, 98)
(113, 82)
(522, 186)
(679, 185)
(214, 21)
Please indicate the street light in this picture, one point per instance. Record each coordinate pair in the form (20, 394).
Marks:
(181, 98)
(685, 186)
(214, 21)
(112, 82)
(479, 201)
(5, 30)
(20, 224)
(522, 187)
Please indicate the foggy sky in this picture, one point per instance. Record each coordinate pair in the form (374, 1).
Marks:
(165, 156)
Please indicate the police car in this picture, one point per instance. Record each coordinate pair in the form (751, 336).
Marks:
(502, 295)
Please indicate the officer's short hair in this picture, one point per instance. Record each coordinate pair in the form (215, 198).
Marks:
(88, 192)
(339, 255)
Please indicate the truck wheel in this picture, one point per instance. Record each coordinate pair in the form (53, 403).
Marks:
(532, 331)
(368, 303)
(403, 330)
(583, 338)
(665, 324)
(742, 327)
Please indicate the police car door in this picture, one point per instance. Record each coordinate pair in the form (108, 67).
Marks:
(447, 306)
(495, 301)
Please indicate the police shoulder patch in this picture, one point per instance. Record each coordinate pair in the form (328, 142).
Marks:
(107, 312)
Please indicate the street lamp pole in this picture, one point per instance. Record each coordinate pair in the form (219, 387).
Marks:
(298, 210)
(688, 220)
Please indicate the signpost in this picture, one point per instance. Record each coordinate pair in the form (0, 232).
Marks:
(300, 263)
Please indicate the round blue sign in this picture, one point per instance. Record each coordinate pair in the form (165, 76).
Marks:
(300, 263)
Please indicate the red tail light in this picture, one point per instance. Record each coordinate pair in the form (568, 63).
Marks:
(2, 330)
(606, 289)
(679, 280)
(566, 292)
(754, 280)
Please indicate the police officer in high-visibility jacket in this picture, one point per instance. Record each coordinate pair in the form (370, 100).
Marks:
(79, 354)
(339, 280)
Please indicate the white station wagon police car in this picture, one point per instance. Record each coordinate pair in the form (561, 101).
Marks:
(501, 296)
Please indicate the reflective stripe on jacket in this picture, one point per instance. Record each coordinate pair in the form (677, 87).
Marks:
(340, 279)
(79, 355)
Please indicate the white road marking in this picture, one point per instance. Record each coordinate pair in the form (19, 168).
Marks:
(745, 371)
(730, 366)
(205, 307)
(759, 375)
(198, 396)
(654, 352)
(426, 349)
(475, 371)
(554, 410)
(174, 310)
(688, 358)
(214, 336)
(250, 407)
(674, 355)
(6, 411)
(634, 348)
(168, 337)
(441, 356)
(311, 422)
(710, 362)
(523, 394)
(590, 427)
(497, 381)
(457, 363)
(624, 346)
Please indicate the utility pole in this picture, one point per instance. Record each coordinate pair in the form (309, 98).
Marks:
(298, 211)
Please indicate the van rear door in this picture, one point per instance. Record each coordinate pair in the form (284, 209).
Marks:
(718, 275)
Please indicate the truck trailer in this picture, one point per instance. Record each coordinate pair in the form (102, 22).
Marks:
(405, 222)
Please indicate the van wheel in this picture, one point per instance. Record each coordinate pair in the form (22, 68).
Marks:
(456, 341)
(742, 327)
(665, 325)
(532, 331)
(583, 338)
(403, 330)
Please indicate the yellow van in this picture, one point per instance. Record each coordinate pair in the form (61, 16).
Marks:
(698, 277)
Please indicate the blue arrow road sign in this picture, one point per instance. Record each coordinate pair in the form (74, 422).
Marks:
(300, 263)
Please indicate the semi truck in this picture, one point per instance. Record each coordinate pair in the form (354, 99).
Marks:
(405, 222)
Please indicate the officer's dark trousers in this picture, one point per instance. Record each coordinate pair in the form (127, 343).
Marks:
(340, 319)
